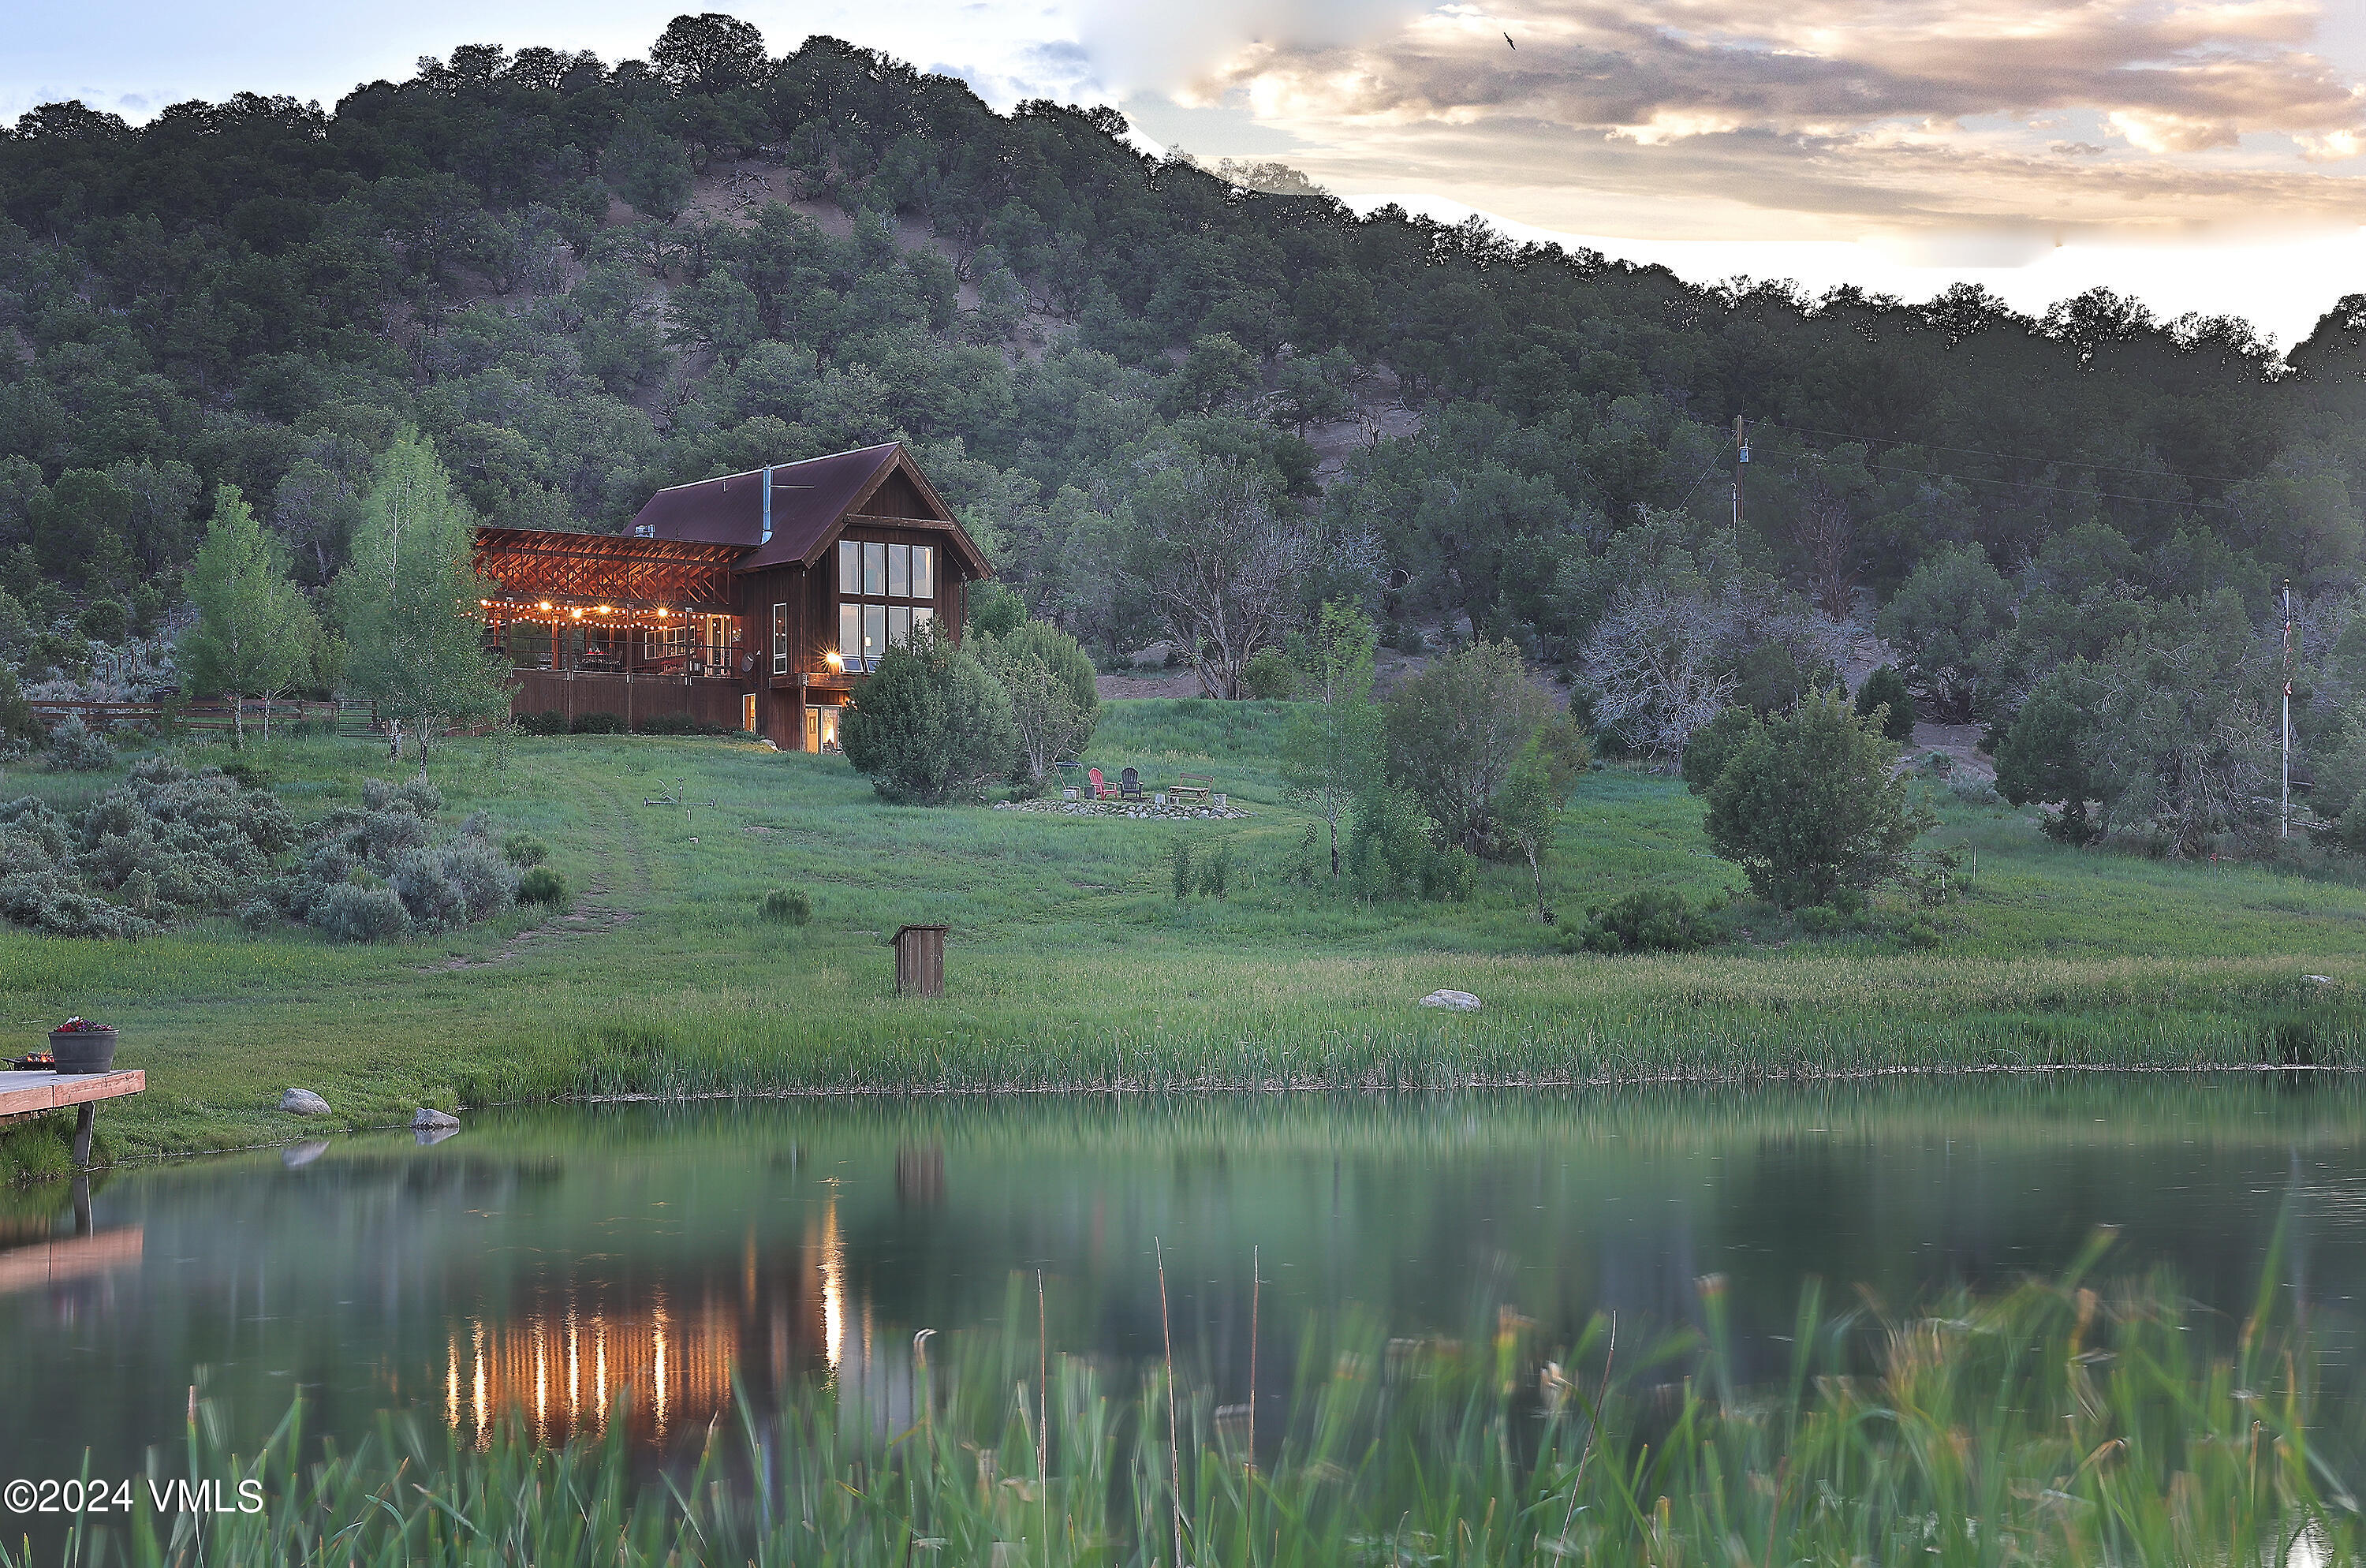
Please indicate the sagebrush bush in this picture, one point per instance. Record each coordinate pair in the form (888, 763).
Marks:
(350, 912)
(789, 905)
(388, 843)
(542, 885)
(523, 850)
(76, 747)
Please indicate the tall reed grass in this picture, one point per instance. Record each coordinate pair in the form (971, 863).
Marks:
(2061, 1422)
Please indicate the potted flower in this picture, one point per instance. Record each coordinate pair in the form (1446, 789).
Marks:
(80, 1046)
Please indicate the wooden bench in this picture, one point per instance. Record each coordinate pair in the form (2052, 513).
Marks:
(1193, 786)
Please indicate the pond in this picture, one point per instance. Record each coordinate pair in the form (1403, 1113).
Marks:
(543, 1262)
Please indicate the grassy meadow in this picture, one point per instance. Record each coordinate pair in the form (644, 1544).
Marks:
(1072, 965)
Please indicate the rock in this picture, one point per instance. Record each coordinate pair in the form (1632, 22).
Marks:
(2318, 979)
(1453, 1001)
(428, 1137)
(427, 1119)
(303, 1103)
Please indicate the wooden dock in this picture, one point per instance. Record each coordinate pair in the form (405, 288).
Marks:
(36, 1094)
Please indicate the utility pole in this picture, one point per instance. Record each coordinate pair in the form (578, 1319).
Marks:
(2283, 812)
(1741, 461)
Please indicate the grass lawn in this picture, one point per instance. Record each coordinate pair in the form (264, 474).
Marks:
(1071, 966)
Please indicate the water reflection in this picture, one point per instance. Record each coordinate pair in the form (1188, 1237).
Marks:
(553, 1265)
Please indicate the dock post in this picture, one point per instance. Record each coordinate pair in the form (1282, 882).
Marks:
(84, 1115)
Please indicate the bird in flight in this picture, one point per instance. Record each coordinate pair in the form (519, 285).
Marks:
(1507, 39)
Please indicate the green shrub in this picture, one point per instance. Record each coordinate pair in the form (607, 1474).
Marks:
(1822, 919)
(1216, 870)
(680, 724)
(994, 609)
(104, 620)
(1650, 921)
(523, 850)
(542, 885)
(1268, 676)
(787, 905)
(1304, 861)
(1712, 746)
(598, 724)
(1886, 688)
(549, 721)
(17, 720)
(1390, 853)
(932, 726)
(248, 775)
(1450, 875)
(1921, 934)
(1180, 858)
(1808, 804)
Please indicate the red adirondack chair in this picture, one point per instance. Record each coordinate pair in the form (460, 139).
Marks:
(1101, 790)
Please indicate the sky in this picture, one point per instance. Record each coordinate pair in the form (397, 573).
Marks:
(2205, 156)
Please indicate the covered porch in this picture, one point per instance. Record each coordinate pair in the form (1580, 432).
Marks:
(640, 629)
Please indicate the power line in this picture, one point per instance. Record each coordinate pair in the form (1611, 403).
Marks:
(2061, 490)
(2002, 456)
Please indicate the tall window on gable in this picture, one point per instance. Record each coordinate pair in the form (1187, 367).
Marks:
(780, 639)
(884, 592)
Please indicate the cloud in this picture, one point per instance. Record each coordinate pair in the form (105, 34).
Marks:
(1707, 112)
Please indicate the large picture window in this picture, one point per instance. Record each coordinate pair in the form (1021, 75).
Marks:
(878, 583)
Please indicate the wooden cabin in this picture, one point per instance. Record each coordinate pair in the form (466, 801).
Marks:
(757, 601)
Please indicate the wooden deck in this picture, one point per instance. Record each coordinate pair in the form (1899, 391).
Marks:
(32, 1094)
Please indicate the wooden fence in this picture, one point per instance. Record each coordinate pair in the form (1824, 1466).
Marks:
(349, 718)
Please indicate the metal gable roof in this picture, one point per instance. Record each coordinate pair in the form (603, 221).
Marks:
(810, 503)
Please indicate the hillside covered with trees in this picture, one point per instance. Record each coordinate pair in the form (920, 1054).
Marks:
(1133, 374)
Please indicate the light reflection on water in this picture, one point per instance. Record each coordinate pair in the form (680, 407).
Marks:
(546, 1264)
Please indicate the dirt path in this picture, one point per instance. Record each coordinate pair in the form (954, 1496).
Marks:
(620, 855)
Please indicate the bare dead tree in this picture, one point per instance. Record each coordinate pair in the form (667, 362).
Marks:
(1656, 663)
(1827, 537)
(1221, 567)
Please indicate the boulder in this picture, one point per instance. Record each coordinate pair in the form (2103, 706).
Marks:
(303, 1103)
(428, 1120)
(1454, 1002)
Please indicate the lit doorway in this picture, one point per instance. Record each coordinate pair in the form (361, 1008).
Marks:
(821, 730)
(748, 712)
